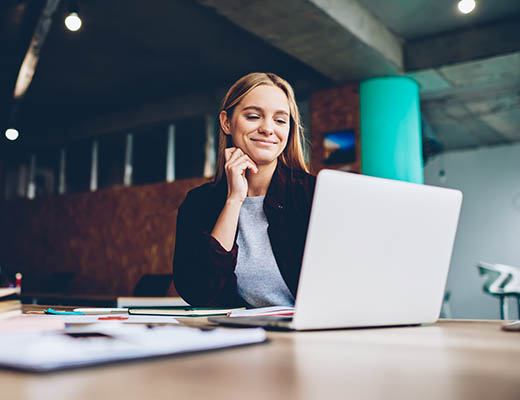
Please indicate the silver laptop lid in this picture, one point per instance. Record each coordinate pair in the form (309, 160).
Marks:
(377, 252)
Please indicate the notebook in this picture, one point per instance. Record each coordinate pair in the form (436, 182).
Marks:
(182, 311)
(129, 302)
(377, 254)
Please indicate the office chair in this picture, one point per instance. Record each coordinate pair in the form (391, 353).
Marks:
(502, 281)
(446, 307)
(153, 285)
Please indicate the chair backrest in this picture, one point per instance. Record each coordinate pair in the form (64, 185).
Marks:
(502, 279)
(153, 285)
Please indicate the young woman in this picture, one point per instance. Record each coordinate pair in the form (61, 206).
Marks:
(240, 238)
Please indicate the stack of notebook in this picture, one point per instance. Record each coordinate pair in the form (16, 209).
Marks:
(10, 304)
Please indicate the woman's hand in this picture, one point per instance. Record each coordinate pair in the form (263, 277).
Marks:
(236, 166)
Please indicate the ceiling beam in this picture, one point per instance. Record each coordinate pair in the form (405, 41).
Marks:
(183, 104)
(465, 45)
(339, 38)
(129, 120)
(473, 103)
(28, 67)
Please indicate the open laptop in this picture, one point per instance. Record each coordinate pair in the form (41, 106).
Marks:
(377, 254)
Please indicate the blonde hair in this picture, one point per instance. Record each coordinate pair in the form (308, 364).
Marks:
(292, 156)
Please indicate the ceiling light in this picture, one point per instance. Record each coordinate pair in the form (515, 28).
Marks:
(11, 134)
(466, 6)
(73, 22)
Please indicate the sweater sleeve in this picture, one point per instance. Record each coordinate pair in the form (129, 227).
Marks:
(203, 271)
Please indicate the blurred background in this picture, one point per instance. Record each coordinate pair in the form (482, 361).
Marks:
(108, 115)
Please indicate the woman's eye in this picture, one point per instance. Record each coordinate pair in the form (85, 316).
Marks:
(281, 121)
(252, 116)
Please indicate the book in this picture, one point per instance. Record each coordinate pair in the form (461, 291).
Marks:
(184, 311)
(10, 304)
(150, 302)
(9, 293)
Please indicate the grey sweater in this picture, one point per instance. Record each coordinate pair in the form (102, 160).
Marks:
(259, 280)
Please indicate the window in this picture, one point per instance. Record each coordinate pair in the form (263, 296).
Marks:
(190, 141)
(78, 163)
(46, 173)
(149, 155)
(111, 160)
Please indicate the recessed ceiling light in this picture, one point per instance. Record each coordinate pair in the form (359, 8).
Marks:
(11, 134)
(73, 22)
(466, 6)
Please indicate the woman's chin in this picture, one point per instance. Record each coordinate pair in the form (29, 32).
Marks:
(264, 161)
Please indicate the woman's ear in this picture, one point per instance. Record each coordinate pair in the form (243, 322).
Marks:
(225, 122)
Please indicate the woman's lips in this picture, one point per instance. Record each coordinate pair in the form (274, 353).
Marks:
(263, 141)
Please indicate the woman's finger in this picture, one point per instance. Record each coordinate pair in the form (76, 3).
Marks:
(254, 166)
(234, 160)
(240, 166)
(228, 152)
(234, 155)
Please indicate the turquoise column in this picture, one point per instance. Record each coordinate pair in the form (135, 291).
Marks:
(391, 139)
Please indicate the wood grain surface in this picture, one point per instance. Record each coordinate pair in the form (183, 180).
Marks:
(448, 360)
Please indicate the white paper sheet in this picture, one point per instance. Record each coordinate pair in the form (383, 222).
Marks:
(31, 323)
(114, 342)
(111, 318)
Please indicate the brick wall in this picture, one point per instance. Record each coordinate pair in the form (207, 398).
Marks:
(334, 110)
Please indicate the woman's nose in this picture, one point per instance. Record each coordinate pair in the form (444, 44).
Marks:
(266, 128)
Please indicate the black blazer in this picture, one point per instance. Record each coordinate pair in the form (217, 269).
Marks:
(204, 272)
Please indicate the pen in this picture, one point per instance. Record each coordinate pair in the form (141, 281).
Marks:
(54, 312)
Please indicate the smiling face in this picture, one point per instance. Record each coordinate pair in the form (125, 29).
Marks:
(260, 124)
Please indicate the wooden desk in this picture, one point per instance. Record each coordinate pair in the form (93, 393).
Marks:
(448, 360)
